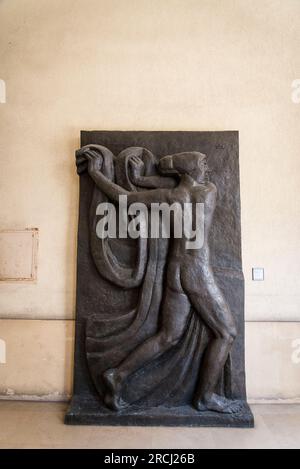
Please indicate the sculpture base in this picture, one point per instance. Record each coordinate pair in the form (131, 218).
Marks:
(87, 412)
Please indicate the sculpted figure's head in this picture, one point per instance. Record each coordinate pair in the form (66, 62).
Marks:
(192, 163)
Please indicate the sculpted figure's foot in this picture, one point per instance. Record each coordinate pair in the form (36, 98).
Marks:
(218, 404)
(113, 383)
(114, 402)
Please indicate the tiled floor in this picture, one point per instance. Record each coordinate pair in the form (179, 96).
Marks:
(40, 425)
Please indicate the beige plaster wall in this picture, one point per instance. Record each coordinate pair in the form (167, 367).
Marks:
(147, 64)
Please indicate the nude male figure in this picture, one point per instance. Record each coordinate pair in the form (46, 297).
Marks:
(190, 282)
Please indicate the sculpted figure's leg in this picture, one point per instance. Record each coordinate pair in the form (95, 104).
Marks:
(213, 310)
(174, 316)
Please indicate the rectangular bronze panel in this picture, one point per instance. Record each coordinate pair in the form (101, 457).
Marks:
(106, 312)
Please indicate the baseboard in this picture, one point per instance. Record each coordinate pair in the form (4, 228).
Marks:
(295, 400)
(56, 397)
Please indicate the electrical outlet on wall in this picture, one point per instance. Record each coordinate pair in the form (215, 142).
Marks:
(258, 273)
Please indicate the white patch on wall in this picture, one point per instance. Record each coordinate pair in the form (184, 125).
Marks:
(2, 351)
(18, 255)
(2, 92)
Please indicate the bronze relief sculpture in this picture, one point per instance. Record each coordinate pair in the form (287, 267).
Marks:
(159, 327)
